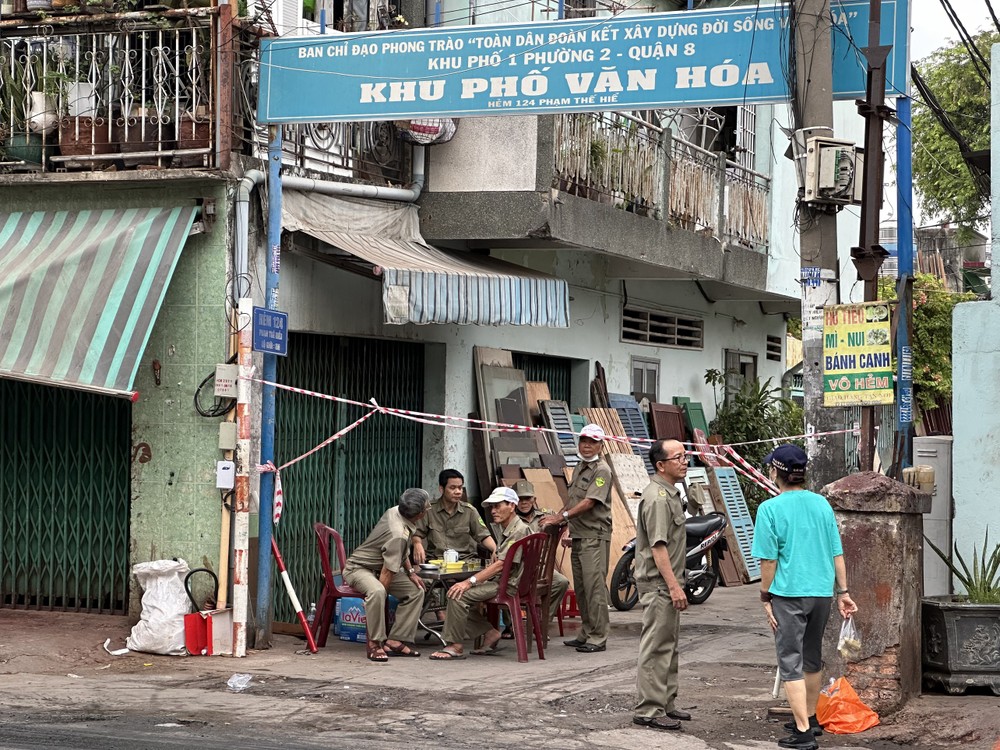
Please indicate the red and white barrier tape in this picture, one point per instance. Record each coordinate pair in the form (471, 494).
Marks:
(443, 420)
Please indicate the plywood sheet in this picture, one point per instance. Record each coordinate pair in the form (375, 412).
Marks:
(538, 390)
(482, 355)
(630, 478)
(549, 498)
(612, 424)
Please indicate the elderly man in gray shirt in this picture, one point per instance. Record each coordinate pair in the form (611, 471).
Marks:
(381, 566)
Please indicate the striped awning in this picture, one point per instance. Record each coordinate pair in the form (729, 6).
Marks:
(424, 284)
(80, 291)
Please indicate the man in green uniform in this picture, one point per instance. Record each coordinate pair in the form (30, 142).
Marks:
(380, 566)
(528, 511)
(451, 523)
(659, 574)
(464, 620)
(588, 514)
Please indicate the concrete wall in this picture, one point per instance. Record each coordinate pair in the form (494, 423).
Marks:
(323, 299)
(976, 398)
(479, 159)
(176, 508)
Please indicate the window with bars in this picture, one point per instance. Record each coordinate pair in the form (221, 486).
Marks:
(774, 348)
(645, 378)
(657, 328)
(580, 8)
(741, 368)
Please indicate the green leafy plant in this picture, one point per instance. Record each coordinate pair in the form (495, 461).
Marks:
(932, 308)
(940, 174)
(756, 411)
(982, 581)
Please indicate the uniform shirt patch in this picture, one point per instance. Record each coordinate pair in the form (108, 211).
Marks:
(599, 481)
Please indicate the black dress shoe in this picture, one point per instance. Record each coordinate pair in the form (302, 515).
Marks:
(814, 726)
(590, 648)
(799, 741)
(573, 643)
(679, 715)
(656, 722)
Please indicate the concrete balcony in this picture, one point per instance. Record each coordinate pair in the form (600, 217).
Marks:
(656, 207)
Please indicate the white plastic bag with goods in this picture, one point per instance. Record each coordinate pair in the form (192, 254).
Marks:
(160, 629)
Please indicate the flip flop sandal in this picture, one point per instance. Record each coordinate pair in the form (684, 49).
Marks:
(494, 649)
(451, 655)
(401, 650)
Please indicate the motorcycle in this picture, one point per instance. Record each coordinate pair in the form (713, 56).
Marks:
(706, 544)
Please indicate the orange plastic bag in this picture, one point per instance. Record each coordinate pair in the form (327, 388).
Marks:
(841, 711)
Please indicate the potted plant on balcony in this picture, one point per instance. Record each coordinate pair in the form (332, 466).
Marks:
(20, 143)
(961, 634)
(82, 132)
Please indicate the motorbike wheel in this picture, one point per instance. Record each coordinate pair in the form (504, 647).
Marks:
(706, 585)
(624, 593)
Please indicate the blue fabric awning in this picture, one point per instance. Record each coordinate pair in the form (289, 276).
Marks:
(424, 284)
(80, 292)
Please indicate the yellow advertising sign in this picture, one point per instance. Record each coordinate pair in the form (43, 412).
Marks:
(857, 355)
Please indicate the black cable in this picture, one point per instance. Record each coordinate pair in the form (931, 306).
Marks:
(978, 61)
(222, 405)
(993, 15)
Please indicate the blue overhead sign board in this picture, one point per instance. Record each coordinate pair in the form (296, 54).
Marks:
(711, 57)
(850, 36)
(270, 331)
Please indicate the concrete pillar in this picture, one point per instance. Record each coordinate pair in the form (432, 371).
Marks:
(882, 531)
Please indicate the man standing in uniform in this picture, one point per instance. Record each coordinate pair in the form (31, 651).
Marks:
(588, 513)
(380, 566)
(451, 523)
(659, 574)
(464, 620)
(528, 511)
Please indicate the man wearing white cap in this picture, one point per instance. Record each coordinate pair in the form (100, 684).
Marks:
(588, 514)
(464, 620)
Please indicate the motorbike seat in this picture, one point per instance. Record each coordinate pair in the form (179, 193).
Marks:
(701, 526)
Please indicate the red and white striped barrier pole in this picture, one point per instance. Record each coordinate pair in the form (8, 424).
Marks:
(291, 595)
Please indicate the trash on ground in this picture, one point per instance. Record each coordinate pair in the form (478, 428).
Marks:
(239, 682)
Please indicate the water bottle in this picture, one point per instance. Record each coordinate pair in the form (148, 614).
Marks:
(312, 614)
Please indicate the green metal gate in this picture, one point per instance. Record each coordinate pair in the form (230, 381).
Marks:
(349, 484)
(556, 371)
(64, 499)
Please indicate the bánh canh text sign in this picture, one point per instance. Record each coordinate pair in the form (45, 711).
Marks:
(857, 355)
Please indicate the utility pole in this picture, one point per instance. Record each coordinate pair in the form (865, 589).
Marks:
(869, 255)
(820, 276)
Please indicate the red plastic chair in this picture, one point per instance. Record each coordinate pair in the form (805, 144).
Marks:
(525, 596)
(543, 582)
(331, 591)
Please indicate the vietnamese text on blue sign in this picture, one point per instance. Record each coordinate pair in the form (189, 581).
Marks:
(632, 62)
(270, 331)
(693, 58)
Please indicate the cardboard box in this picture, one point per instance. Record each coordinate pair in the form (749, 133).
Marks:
(349, 620)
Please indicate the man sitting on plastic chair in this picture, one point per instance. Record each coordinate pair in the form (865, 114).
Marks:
(464, 620)
(381, 566)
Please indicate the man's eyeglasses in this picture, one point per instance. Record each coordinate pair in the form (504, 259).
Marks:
(678, 457)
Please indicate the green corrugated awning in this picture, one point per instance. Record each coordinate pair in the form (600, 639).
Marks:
(80, 291)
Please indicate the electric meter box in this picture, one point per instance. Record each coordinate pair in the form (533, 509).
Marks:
(834, 170)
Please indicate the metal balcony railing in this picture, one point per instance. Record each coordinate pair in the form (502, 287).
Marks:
(624, 160)
(368, 152)
(119, 91)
